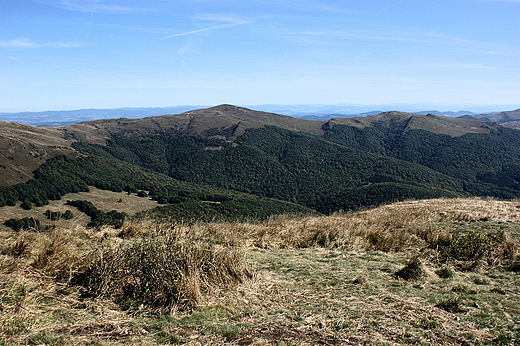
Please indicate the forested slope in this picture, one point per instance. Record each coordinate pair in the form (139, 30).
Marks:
(487, 164)
(281, 164)
(61, 175)
(228, 161)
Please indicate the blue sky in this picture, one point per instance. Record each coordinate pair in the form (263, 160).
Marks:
(72, 54)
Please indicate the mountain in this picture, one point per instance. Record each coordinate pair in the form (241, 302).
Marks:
(224, 121)
(59, 118)
(24, 142)
(446, 113)
(364, 114)
(303, 111)
(324, 117)
(507, 118)
(24, 148)
(229, 160)
(402, 122)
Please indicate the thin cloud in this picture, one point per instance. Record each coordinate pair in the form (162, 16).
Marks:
(26, 43)
(91, 17)
(204, 29)
(389, 7)
(18, 43)
(86, 6)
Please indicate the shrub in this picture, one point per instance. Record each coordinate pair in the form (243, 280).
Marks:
(53, 215)
(26, 205)
(27, 223)
(386, 240)
(469, 250)
(413, 270)
(98, 217)
(67, 215)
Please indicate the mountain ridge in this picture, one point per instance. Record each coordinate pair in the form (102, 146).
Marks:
(302, 111)
(34, 145)
(506, 118)
(235, 160)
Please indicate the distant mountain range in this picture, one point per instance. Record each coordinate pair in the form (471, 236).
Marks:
(233, 162)
(309, 112)
(508, 118)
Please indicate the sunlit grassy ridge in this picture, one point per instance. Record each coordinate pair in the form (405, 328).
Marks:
(439, 272)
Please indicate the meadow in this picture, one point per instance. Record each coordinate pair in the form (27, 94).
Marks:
(437, 272)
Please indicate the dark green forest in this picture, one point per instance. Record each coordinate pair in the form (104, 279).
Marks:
(270, 170)
(488, 164)
(302, 168)
(61, 175)
(285, 165)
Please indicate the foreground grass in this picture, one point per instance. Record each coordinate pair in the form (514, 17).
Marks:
(288, 281)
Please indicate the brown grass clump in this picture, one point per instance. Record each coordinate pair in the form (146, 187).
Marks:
(56, 253)
(159, 272)
(414, 270)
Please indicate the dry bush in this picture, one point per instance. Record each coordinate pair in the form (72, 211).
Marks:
(57, 254)
(160, 272)
(144, 228)
(390, 240)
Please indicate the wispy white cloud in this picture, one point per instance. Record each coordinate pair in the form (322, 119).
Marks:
(26, 43)
(203, 29)
(228, 19)
(86, 6)
(389, 7)
(91, 17)
(409, 35)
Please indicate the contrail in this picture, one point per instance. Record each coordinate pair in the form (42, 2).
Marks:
(384, 9)
(205, 29)
(91, 16)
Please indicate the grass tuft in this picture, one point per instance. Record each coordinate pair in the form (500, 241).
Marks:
(414, 270)
(446, 272)
(452, 304)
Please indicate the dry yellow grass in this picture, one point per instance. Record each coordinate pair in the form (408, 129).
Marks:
(319, 280)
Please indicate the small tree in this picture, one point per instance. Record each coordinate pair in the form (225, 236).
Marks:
(26, 205)
(67, 215)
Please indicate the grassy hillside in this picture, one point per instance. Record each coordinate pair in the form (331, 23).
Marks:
(402, 122)
(436, 272)
(506, 118)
